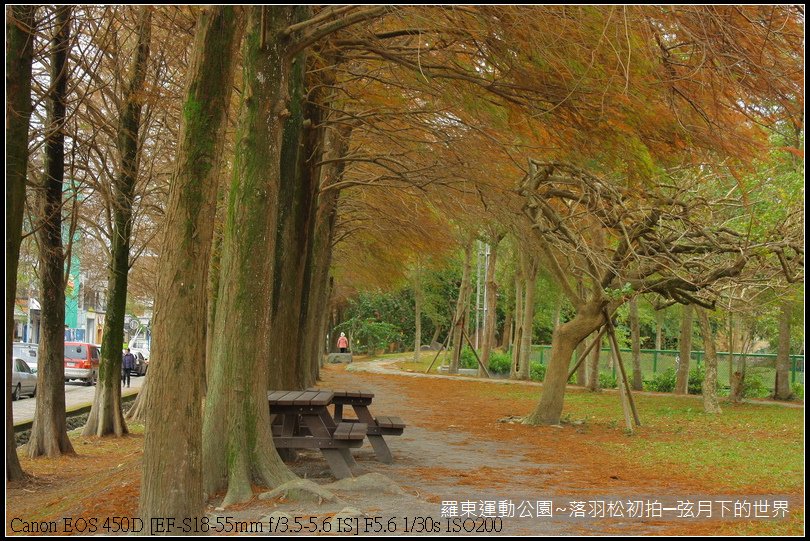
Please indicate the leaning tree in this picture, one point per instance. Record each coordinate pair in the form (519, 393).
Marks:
(666, 238)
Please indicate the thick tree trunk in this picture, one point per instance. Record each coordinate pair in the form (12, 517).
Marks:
(237, 442)
(635, 337)
(518, 336)
(172, 483)
(565, 338)
(782, 390)
(211, 296)
(710, 403)
(105, 415)
(685, 351)
(19, 57)
(530, 268)
(49, 431)
(300, 152)
(462, 304)
(316, 318)
(490, 302)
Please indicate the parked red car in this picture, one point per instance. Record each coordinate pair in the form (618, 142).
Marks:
(81, 362)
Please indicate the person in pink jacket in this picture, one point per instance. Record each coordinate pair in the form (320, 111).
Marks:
(343, 343)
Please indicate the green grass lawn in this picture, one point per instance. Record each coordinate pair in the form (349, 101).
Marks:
(749, 446)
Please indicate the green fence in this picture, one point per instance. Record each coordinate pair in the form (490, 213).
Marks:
(654, 361)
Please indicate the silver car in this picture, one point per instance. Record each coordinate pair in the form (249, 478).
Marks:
(23, 381)
(28, 353)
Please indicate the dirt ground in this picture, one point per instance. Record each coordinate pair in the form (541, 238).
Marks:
(455, 449)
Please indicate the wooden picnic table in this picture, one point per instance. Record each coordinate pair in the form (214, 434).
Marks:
(376, 427)
(301, 420)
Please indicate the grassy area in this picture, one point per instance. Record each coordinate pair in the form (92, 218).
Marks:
(749, 446)
(425, 359)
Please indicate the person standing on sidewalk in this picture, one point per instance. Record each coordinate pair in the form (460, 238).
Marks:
(127, 366)
(343, 343)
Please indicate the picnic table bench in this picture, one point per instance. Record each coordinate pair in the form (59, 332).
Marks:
(301, 420)
(376, 427)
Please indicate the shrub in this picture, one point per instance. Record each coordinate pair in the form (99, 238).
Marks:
(754, 388)
(467, 359)
(696, 377)
(537, 371)
(607, 380)
(798, 390)
(499, 363)
(663, 382)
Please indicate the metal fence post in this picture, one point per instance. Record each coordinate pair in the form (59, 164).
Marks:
(542, 350)
(655, 361)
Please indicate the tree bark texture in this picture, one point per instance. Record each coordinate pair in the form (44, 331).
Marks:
(563, 342)
(172, 483)
(316, 317)
(710, 402)
(237, 442)
(106, 416)
(49, 431)
(684, 351)
(19, 57)
(298, 188)
(782, 390)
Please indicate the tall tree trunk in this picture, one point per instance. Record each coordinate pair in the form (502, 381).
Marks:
(49, 431)
(518, 336)
(19, 57)
(563, 341)
(530, 268)
(314, 149)
(490, 302)
(106, 416)
(300, 153)
(635, 337)
(137, 412)
(738, 378)
(685, 351)
(593, 365)
(172, 483)
(710, 403)
(462, 305)
(237, 442)
(782, 389)
(417, 309)
(506, 335)
(211, 294)
(336, 145)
